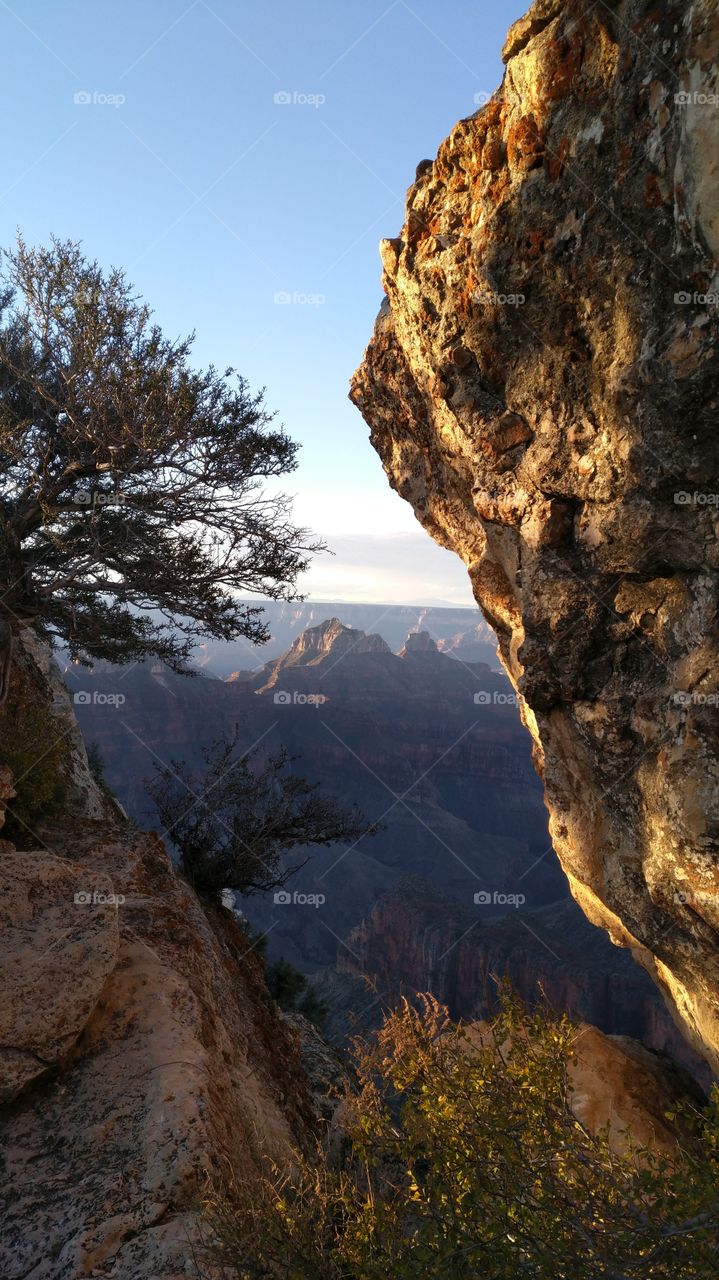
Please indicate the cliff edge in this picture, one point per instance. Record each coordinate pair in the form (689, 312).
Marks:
(542, 388)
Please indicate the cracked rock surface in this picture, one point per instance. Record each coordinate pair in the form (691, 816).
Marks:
(140, 1052)
(541, 386)
(60, 943)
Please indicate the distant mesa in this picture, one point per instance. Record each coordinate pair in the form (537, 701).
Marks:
(419, 642)
(473, 645)
(333, 637)
(459, 632)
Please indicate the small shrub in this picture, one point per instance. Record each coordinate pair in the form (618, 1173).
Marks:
(466, 1161)
(35, 748)
(293, 993)
(233, 821)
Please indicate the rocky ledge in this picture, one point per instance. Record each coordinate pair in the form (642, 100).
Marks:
(140, 1052)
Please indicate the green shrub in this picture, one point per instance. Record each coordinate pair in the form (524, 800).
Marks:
(467, 1161)
(293, 993)
(34, 746)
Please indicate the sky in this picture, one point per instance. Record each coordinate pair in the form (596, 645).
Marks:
(241, 160)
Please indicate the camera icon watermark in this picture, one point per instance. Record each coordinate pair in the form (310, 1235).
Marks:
(685, 699)
(697, 899)
(283, 298)
(487, 898)
(683, 298)
(88, 898)
(695, 98)
(91, 499)
(85, 98)
(684, 499)
(283, 898)
(88, 698)
(487, 698)
(284, 699)
(491, 298)
(295, 98)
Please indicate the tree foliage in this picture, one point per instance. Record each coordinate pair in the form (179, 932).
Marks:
(233, 821)
(292, 991)
(467, 1161)
(132, 498)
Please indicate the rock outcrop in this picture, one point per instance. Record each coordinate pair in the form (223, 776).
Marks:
(617, 1087)
(542, 388)
(60, 944)
(146, 1057)
(331, 639)
(418, 643)
(416, 939)
(140, 1052)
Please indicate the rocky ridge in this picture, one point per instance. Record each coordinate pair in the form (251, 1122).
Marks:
(331, 639)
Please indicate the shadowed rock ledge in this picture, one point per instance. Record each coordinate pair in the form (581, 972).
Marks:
(542, 388)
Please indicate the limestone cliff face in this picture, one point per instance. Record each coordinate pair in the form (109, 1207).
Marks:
(542, 388)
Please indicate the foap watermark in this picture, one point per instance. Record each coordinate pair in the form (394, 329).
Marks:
(284, 699)
(91, 898)
(481, 98)
(684, 499)
(696, 98)
(297, 98)
(493, 898)
(683, 298)
(494, 699)
(687, 898)
(685, 699)
(87, 698)
(283, 298)
(94, 98)
(283, 898)
(492, 298)
(90, 499)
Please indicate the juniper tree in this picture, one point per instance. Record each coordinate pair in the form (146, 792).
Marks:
(132, 496)
(233, 820)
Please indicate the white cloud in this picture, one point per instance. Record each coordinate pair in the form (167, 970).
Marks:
(391, 568)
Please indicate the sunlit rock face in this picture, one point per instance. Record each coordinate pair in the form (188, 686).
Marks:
(140, 1051)
(542, 388)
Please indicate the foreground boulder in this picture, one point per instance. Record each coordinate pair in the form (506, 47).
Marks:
(151, 1058)
(140, 1052)
(60, 943)
(542, 388)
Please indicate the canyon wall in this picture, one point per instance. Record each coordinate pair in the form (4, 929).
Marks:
(542, 388)
(416, 939)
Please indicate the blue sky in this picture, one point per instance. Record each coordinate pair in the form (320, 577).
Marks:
(215, 198)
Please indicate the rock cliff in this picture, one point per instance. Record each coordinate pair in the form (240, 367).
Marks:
(416, 939)
(139, 1049)
(542, 388)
